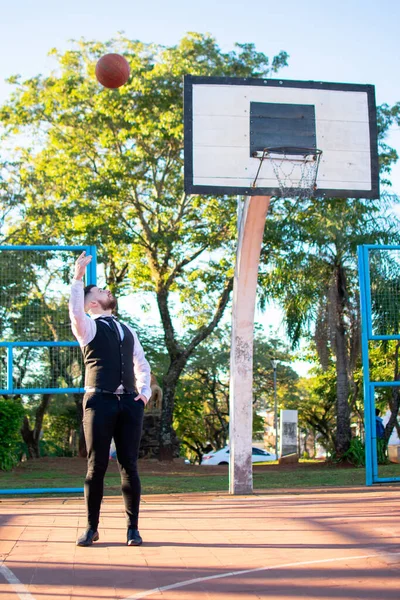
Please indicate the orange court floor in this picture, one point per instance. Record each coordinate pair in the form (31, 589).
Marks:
(320, 544)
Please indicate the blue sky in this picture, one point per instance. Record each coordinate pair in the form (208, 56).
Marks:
(350, 41)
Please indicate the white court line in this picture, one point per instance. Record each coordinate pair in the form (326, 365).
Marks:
(274, 567)
(15, 583)
(23, 594)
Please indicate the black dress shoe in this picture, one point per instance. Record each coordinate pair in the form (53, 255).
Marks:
(133, 538)
(87, 538)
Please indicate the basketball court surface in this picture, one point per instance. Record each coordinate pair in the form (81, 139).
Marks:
(319, 544)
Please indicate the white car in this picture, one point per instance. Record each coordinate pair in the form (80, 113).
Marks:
(221, 457)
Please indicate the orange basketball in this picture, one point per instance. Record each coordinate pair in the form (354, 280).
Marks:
(112, 70)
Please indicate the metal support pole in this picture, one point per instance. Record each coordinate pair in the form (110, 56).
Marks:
(251, 229)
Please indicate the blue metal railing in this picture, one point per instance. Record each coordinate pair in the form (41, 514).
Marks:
(10, 345)
(90, 279)
(367, 335)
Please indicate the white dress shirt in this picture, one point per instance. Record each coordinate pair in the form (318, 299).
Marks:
(84, 329)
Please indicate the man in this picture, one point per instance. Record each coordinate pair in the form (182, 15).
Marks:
(117, 387)
(380, 428)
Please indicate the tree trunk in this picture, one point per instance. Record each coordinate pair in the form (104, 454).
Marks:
(179, 357)
(30, 436)
(343, 430)
(167, 414)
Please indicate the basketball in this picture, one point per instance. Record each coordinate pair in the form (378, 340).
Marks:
(112, 70)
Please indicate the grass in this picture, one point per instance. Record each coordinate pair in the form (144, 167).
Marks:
(162, 478)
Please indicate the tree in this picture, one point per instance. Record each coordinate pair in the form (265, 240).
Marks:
(313, 248)
(315, 278)
(106, 166)
(310, 254)
(202, 403)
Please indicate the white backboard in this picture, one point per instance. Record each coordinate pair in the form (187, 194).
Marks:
(227, 119)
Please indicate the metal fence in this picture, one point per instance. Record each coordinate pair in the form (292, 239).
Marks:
(379, 277)
(38, 353)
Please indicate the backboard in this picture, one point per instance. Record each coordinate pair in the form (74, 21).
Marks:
(229, 122)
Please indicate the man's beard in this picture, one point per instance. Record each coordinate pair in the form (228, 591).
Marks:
(109, 303)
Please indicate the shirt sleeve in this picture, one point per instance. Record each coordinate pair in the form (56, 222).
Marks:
(83, 327)
(141, 367)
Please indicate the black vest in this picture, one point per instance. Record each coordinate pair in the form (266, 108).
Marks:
(109, 362)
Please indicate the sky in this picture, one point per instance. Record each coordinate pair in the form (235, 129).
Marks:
(345, 41)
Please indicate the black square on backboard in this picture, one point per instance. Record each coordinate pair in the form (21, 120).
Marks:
(281, 125)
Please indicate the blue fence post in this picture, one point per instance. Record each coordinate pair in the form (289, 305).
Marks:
(92, 274)
(362, 252)
(10, 383)
(374, 453)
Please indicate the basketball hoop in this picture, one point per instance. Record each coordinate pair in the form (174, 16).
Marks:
(295, 169)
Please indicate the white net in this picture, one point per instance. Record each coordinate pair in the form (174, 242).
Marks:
(295, 169)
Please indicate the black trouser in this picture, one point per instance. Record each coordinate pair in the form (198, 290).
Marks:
(108, 416)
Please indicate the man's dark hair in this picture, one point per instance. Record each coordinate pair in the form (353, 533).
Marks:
(377, 412)
(88, 289)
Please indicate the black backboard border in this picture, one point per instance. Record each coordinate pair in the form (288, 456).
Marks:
(190, 188)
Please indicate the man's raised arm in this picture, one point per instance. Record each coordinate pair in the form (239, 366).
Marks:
(83, 327)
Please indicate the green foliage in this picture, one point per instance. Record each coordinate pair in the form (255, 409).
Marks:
(304, 247)
(387, 116)
(202, 401)
(356, 452)
(153, 341)
(60, 433)
(109, 165)
(106, 167)
(381, 447)
(11, 415)
(311, 270)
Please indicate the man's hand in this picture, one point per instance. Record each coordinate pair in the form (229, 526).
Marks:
(81, 264)
(141, 397)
